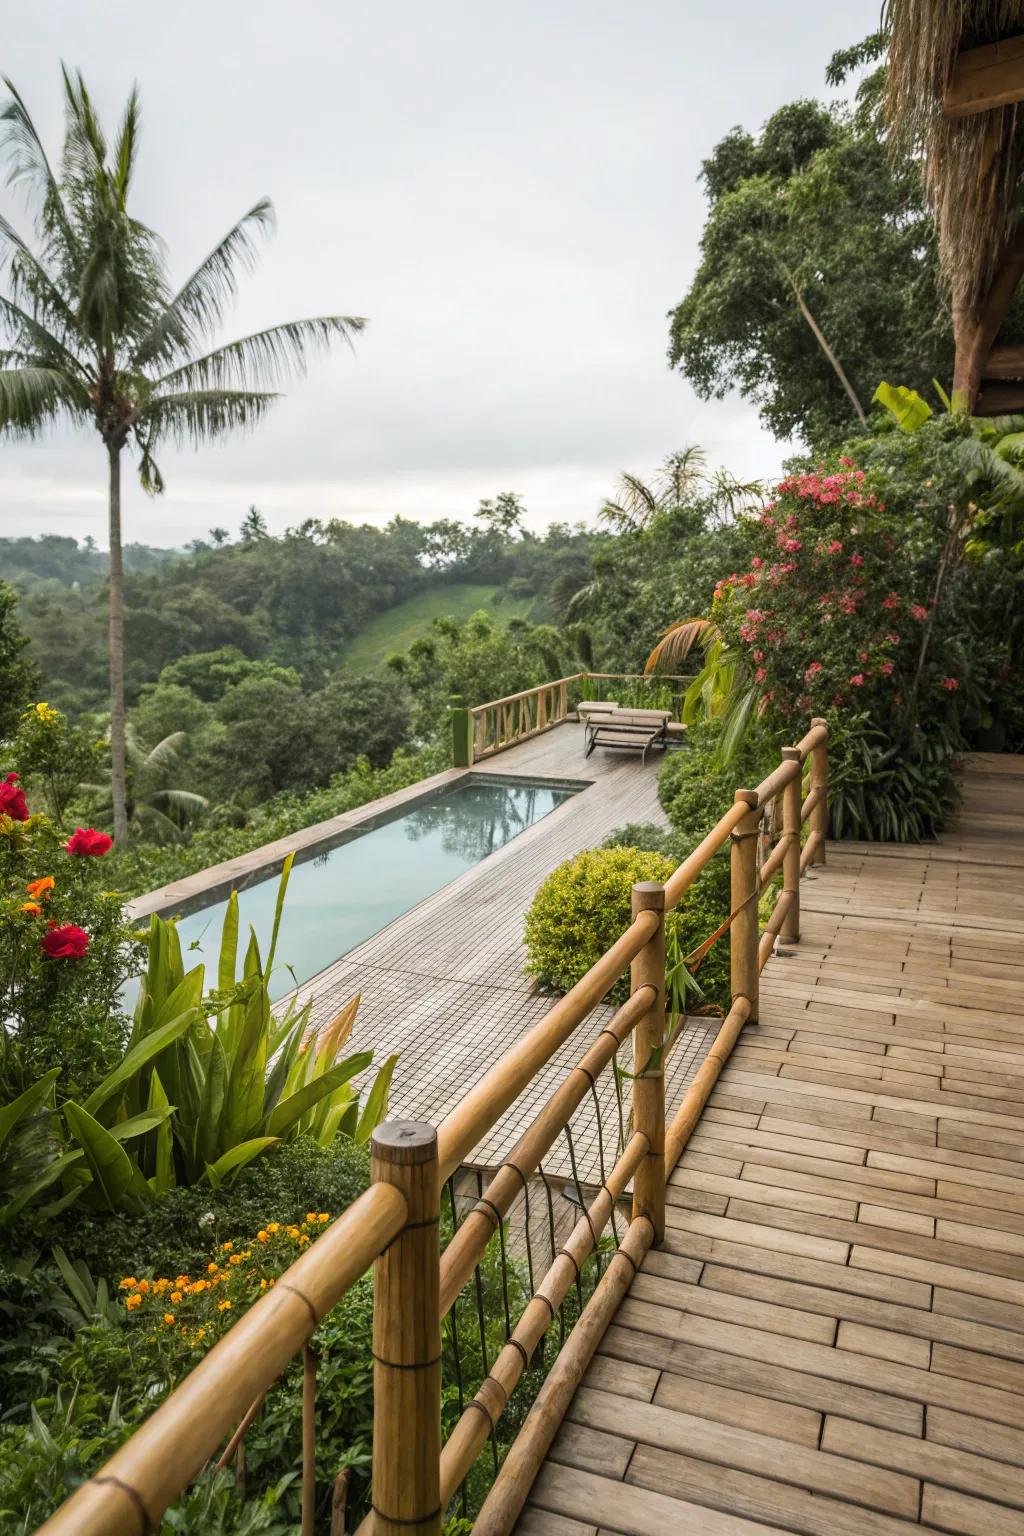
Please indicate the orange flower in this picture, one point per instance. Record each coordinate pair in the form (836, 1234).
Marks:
(211, 1269)
(175, 1298)
(37, 888)
(131, 1302)
(168, 1318)
(31, 906)
(128, 1283)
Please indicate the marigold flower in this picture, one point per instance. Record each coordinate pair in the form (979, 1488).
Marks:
(311, 1215)
(31, 907)
(144, 1286)
(211, 1269)
(175, 1297)
(200, 1333)
(128, 1283)
(133, 1301)
(226, 1247)
(261, 1237)
(168, 1318)
(273, 1226)
(223, 1306)
(324, 1217)
(236, 1258)
(263, 1285)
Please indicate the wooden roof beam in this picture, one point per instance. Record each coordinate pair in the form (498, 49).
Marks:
(984, 78)
(999, 400)
(1006, 362)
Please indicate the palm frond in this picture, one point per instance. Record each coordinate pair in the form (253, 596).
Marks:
(195, 415)
(32, 396)
(36, 341)
(179, 800)
(199, 304)
(265, 357)
(678, 641)
(164, 754)
(30, 279)
(125, 146)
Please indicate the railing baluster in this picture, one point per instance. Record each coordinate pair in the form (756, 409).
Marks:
(648, 970)
(309, 1360)
(743, 970)
(407, 1339)
(819, 781)
(790, 931)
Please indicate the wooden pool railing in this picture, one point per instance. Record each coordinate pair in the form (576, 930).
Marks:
(395, 1225)
(486, 729)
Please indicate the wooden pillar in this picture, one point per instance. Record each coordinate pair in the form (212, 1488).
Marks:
(791, 803)
(462, 732)
(309, 1360)
(819, 781)
(648, 970)
(743, 973)
(407, 1339)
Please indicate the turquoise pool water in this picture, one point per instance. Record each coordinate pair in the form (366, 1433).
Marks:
(347, 893)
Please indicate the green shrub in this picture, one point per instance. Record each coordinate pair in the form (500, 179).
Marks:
(647, 836)
(581, 909)
(695, 790)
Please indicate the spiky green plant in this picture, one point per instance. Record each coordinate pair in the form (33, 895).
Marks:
(92, 330)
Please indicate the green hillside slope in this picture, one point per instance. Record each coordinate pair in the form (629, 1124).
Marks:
(397, 628)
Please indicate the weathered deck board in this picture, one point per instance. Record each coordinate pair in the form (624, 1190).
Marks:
(831, 1337)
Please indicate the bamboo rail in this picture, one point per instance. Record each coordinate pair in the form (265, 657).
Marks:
(395, 1225)
(485, 729)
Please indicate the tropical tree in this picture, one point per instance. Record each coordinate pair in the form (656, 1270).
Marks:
(92, 330)
(154, 805)
(973, 168)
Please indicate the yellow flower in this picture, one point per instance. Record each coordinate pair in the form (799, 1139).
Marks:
(261, 1237)
(161, 1285)
(311, 1215)
(263, 1285)
(222, 1306)
(42, 712)
(198, 1287)
(181, 1282)
(144, 1287)
(236, 1258)
(324, 1216)
(128, 1283)
(168, 1318)
(200, 1333)
(211, 1269)
(273, 1226)
(131, 1302)
(175, 1298)
(32, 907)
(303, 1239)
(226, 1247)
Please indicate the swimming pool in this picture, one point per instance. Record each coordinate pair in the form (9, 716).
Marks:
(342, 894)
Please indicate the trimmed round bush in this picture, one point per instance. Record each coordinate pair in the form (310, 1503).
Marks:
(581, 909)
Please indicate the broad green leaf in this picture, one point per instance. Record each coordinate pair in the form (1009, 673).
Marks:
(293, 1108)
(81, 1289)
(906, 405)
(111, 1167)
(135, 1059)
(139, 1125)
(28, 1192)
(237, 1158)
(286, 869)
(376, 1106)
(228, 945)
(27, 1103)
(209, 1130)
(163, 1161)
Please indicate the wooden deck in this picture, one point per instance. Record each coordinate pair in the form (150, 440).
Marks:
(831, 1338)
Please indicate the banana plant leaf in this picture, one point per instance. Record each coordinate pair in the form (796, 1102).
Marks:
(27, 1103)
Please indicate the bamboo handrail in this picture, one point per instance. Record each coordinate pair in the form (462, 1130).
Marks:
(512, 1486)
(775, 782)
(525, 693)
(683, 877)
(808, 854)
(466, 1248)
(141, 1479)
(481, 1415)
(696, 1095)
(766, 943)
(484, 1105)
(817, 736)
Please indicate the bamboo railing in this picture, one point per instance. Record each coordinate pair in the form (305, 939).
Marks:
(485, 729)
(395, 1225)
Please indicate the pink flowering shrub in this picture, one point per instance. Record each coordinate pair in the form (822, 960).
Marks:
(826, 618)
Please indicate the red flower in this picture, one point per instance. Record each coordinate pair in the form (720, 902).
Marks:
(856, 559)
(891, 602)
(917, 612)
(857, 679)
(760, 675)
(886, 669)
(835, 548)
(87, 841)
(950, 683)
(65, 942)
(12, 799)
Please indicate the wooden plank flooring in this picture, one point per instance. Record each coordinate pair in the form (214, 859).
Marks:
(831, 1338)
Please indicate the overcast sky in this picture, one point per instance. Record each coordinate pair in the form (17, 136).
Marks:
(508, 193)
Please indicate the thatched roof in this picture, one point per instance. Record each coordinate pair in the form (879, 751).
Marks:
(973, 165)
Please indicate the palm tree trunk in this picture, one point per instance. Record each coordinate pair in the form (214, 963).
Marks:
(118, 778)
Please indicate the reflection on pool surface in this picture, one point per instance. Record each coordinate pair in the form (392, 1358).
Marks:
(340, 897)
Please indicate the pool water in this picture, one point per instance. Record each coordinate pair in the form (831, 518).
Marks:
(340, 897)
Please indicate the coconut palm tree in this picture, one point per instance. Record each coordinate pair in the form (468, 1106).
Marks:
(973, 167)
(92, 330)
(154, 805)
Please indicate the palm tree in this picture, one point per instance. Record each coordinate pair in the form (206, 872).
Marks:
(973, 167)
(152, 802)
(92, 330)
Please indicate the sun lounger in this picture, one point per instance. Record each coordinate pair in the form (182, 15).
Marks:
(635, 730)
(587, 707)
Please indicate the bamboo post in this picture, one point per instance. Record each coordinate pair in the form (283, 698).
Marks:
(309, 1359)
(791, 823)
(648, 970)
(407, 1339)
(339, 1502)
(462, 732)
(819, 781)
(743, 970)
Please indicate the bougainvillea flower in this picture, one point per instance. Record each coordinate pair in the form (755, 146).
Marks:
(86, 841)
(950, 683)
(43, 887)
(65, 941)
(857, 679)
(12, 799)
